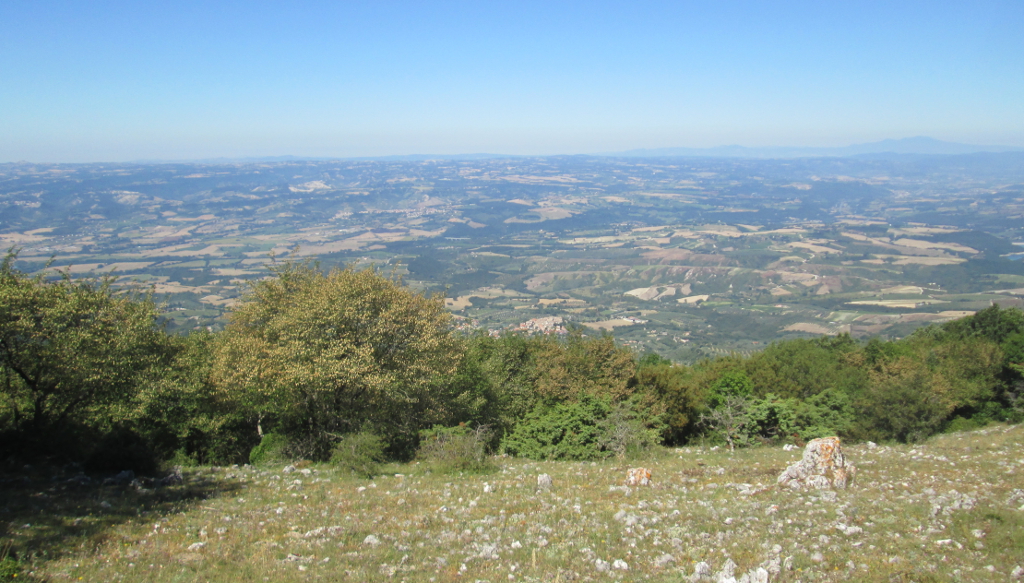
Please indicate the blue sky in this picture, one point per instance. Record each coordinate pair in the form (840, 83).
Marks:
(113, 81)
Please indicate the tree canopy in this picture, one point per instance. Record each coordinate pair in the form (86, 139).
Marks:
(322, 355)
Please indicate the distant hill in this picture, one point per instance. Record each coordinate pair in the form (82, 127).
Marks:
(915, 145)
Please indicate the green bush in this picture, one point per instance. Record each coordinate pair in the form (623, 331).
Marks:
(828, 413)
(563, 431)
(360, 453)
(271, 449)
(456, 449)
(626, 434)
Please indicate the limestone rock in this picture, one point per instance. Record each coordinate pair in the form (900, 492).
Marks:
(823, 466)
(544, 482)
(638, 477)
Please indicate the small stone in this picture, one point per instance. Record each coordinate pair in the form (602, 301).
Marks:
(701, 571)
(727, 571)
(288, 469)
(620, 565)
(1017, 572)
(195, 546)
(638, 477)
(601, 566)
(371, 540)
(817, 557)
(544, 482)
(664, 560)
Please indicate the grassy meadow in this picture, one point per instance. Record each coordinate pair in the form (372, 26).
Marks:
(949, 509)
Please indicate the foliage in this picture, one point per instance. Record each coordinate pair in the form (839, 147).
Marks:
(803, 368)
(568, 369)
(272, 448)
(178, 410)
(678, 393)
(732, 384)
(828, 413)
(361, 453)
(460, 448)
(900, 404)
(561, 431)
(323, 355)
(71, 352)
(626, 433)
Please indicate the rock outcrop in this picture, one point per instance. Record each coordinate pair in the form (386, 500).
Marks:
(823, 466)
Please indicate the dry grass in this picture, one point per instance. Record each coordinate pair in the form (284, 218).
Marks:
(948, 510)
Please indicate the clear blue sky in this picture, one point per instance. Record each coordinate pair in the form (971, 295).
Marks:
(110, 81)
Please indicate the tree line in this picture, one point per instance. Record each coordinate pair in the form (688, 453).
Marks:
(311, 363)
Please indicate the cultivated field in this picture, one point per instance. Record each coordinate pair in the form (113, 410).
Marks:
(951, 509)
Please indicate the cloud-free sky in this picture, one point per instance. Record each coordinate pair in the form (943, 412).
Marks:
(112, 81)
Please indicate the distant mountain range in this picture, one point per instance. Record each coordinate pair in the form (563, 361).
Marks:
(916, 145)
(920, 145)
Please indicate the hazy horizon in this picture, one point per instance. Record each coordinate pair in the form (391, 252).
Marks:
(111, 82)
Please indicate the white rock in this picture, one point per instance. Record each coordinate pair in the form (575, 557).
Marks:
(195, 546)
(727, 573)
(371, 540)
(701, 572)
(601, 566)
(544, 482)
(664, 560)
(822, 466)
(1017, 572)
(620, 565)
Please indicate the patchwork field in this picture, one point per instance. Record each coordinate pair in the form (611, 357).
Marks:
(950, 509)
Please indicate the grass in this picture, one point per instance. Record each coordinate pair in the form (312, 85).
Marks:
(951, 509)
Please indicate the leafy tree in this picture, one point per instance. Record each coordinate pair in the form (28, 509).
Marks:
(323, 355)
(729, 405)
(181, 414)
(629, 429)
(71, 351)
(567, 370)
(677, 392)
(802, 368)
(901, 404)
(993, 323)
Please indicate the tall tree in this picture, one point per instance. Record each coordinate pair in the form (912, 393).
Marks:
(323, 355)
(71, 350)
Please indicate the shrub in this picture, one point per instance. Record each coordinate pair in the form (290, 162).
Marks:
(625, 434)
(271, 449)
(360, 453)
(830, 412)
(563, 431)
(456, 449)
